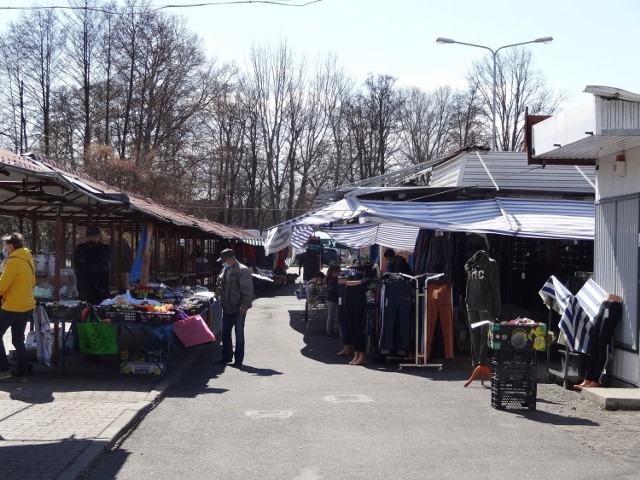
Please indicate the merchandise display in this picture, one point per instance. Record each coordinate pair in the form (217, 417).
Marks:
(143, 327)
(518, 335)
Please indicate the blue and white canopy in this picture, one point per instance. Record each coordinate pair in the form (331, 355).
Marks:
(396, 224)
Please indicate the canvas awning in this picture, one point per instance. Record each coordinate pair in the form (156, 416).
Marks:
(356, 222)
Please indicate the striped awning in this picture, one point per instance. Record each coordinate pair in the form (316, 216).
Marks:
(382, 222)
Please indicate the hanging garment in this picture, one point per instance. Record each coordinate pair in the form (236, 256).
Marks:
(397, 318)
(44, 336)
(343, 321)
(439, 307)
(577, 312)
(604, 324)
(355, 307)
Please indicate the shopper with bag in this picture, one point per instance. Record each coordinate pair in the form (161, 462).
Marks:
(16, 288)
(235, 292)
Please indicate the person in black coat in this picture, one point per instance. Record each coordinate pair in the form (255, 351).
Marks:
(91, 263)
(396, 263)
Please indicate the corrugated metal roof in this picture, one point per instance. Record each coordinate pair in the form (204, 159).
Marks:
(511, 172)
(590, 148)
(33, 183)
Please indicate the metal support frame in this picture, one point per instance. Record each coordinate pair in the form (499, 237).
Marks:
(420, 359)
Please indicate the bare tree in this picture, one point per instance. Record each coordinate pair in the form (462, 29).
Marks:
(84, 28)
(383, 104)
(39, 39)
(10, 95)
(426, 120)
(518, 86)
(466, 127)
(268, 83)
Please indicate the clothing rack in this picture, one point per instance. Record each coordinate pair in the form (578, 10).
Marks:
(419, 359)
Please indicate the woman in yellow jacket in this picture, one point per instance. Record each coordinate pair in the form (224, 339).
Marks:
(16, 288)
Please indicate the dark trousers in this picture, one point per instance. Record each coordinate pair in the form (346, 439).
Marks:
(18, 323)
(343, 321)
(229, 322)
(396, 316)
(604, 324)
(479, 336)
(355, 306)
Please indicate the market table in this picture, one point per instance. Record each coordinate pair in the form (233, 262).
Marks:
(151, 340)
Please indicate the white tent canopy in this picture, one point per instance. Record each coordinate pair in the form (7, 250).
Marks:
(396, 224)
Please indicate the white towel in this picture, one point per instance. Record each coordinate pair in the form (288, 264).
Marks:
(44, 336)
(577, 312)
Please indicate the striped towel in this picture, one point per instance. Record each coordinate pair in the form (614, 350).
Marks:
(577, 312)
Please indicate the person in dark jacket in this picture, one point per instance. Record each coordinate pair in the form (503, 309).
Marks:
(396, 263)
(483, 301)
(309, 262)
(235, 291)
(92, 263)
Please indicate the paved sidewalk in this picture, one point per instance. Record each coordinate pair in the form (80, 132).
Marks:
(57, 424)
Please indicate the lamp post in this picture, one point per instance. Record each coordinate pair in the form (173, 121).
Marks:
(494, 53)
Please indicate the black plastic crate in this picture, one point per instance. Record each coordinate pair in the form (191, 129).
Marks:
(157, 318)
(61, 312)
(121, 315)
(524, 384)
(503, 399)
(514, 370)
(506, 357)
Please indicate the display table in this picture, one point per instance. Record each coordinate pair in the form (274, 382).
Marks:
(145, 338)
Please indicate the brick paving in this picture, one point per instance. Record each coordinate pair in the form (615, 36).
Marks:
(58, 423)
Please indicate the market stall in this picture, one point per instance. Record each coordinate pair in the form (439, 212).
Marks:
(138, 326)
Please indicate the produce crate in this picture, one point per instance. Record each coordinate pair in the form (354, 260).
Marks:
(117, 315)
(157, 318)
(518, 337)
(144, 368)
(61, 312)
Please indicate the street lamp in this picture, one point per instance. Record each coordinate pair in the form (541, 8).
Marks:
(442, 40)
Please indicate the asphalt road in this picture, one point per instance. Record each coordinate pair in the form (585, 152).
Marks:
(299, 412)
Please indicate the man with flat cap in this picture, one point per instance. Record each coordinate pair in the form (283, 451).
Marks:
(91, 263)
(235, 292)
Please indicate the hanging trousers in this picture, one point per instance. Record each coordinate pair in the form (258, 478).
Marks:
(397, 318)
(479, 336)
(604, 324)
(343, 321)
(355, 300)
(439, 306)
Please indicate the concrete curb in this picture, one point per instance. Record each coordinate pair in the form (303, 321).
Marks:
(614, 398)
(129, 418)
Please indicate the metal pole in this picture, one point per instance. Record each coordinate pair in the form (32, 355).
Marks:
(494, 53)
(493, 102)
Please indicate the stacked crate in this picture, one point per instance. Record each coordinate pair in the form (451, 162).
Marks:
(514, 365)
(513, 382)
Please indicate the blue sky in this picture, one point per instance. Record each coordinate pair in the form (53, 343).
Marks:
(595, 42)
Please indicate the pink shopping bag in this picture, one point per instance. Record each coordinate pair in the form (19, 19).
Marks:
(192, 330)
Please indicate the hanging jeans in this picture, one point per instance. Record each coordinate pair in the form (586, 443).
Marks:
(479, 336)
(439, 306)
(604, 324)
(355, 306)
(396, 316)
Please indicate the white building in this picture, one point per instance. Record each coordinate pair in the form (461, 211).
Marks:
(604, 132)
